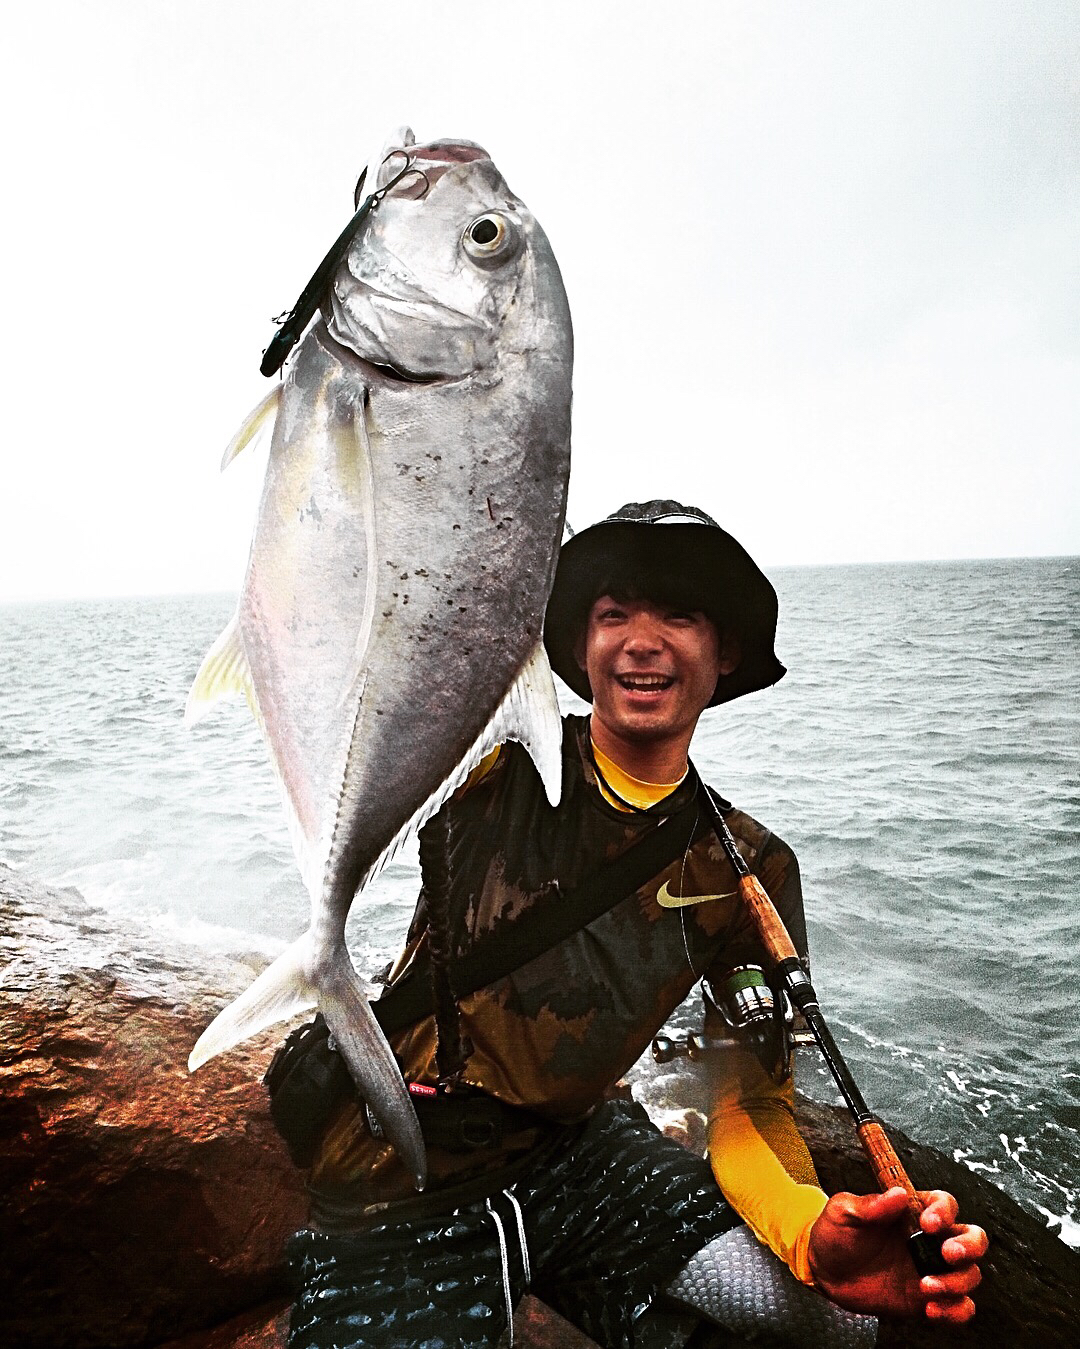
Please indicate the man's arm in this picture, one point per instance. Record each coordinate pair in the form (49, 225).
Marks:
(757, 1154)
(759, 1158)
(855, 1247)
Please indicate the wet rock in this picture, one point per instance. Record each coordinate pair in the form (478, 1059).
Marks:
(145, 1207)
(265, 1327)
(1030, 1294)
(139, 1202)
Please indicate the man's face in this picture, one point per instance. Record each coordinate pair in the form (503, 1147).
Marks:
(652, 669)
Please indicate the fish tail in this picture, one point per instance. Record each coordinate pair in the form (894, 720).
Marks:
(371, 1062)
(296, 982)
(282, 990)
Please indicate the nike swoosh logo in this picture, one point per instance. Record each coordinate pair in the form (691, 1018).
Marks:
(667, 900)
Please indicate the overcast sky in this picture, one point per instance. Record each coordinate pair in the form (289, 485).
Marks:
(822, 258)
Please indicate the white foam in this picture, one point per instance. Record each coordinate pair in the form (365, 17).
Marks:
(1070, 1228)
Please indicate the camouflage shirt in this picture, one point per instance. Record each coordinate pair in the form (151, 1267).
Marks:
(554, 1035)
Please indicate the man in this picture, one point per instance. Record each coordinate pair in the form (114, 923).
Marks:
(536, 1180)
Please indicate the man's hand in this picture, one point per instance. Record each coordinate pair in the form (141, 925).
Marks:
(859, 1256)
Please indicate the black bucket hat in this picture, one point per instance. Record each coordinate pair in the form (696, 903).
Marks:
(653, 537)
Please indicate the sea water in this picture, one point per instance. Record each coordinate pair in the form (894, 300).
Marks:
(920, 756)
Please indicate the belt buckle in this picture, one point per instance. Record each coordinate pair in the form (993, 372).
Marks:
(480, 1127)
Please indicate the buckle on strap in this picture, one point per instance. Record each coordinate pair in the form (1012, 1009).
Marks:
(479, 1127)
(465, 1122)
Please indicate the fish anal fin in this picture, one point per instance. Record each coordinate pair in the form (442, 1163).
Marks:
(530, 714)
(254, 424)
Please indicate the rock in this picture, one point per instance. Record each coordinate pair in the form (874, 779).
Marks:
(139, 1202)
(146, 1207)
(1030, 1294)
(265, 1327)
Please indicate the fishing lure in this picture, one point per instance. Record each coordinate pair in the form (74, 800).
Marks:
(300, 315)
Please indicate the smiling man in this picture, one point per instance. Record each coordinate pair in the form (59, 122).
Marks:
(651, 669)
(613, 906)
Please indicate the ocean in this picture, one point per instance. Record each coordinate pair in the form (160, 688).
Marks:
(921, 757)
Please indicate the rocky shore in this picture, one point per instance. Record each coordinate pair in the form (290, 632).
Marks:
(142, 1206)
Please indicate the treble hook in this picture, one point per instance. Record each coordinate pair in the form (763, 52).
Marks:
(406, 170)
(300, 315)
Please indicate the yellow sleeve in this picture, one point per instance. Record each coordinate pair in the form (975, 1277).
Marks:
(480, 772)
(759, 1158)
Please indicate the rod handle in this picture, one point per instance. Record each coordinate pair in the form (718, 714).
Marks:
(887, 1167)
(770, 926)
(889, 1171)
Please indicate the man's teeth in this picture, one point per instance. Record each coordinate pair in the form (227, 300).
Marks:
(645, 682)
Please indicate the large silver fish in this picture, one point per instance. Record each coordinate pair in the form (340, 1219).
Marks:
(388, 630)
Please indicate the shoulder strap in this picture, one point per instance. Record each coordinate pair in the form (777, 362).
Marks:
(545, 925)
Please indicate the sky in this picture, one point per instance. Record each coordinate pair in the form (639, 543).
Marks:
(822, 259)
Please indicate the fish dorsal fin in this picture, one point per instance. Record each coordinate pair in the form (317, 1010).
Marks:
(224, 670)
(257, 421)
(310, 853)
(530, 714)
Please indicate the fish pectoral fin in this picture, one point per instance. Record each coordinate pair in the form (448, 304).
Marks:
(530, 714)
(283, 989)
(257, 421)
(224, 670)
(370, 1060)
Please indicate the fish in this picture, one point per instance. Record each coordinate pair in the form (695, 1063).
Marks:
(388, 631)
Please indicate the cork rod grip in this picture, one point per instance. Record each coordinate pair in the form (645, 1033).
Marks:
(887, 1166)
(888, 1170)
(769, 924)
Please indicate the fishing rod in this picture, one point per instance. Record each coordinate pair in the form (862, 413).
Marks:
(886, 1165)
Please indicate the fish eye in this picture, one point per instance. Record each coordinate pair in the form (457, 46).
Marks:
(490, 238)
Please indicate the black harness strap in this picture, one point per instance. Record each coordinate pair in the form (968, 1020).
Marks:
(452, 1050)
(547, 924)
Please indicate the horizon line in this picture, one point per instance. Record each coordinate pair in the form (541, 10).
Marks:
(25, 599)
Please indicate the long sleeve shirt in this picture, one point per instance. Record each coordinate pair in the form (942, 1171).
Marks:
(555, 1034)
